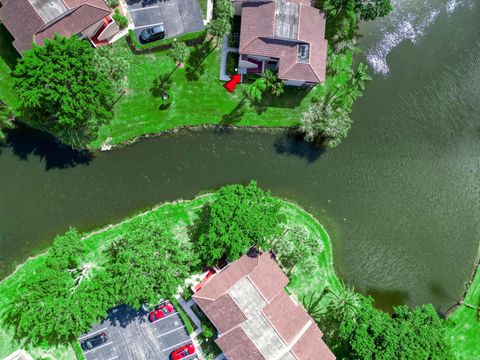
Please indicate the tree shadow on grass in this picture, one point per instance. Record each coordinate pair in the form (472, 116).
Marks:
(235, 115)
(7, 52)
(161, 85)
(291, 143)
(25, 141)
(195, 66)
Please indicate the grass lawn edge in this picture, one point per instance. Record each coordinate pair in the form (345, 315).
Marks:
(96, 240)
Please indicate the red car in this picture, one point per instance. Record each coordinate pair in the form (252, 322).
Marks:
(161, 312)
(183, 352)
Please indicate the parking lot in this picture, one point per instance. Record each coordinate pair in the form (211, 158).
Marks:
(131, 336)
(178, 16)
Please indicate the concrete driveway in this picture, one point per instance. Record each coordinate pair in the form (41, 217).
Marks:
(131, 336)
(178, 16)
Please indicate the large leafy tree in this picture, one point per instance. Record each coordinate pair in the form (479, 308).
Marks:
(62, 91)
(238, 218)
(147, 264)
(62, 299)
(407, 334)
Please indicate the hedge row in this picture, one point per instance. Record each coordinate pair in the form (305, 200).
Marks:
(190, 39)
(183, 316)
(78, 350)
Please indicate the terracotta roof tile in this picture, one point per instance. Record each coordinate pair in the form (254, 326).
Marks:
(223, 312)
(267, 277)
(76, 21)
(22, 21)
(26, 26)
(236, 345)
(311, 346)
(71, 4)
(228, 277)
(258, 20)
(286, 316)
(257, 38)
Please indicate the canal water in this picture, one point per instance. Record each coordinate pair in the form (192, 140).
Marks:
(400, 196)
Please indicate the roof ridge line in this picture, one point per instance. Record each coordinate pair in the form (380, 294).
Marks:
(298, 337)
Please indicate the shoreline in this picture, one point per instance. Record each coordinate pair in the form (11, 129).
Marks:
(449, 312)
(105, 146)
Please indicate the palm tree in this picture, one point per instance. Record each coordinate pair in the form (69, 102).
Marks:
(276, 85)
(344, 301)
(360, 77)
(219, 27)
(254, 92)
(179, 52)
(6, 118)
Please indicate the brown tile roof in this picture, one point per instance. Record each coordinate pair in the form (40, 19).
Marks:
(311, 346)
(286, 316)
(280, 314)
(228, 277)
(236, 345)
(71, 4)
(257, 37)
(22, 21)
(74, 22)
(26, 26)
(223, 312)
(267, 277)
(258, 20)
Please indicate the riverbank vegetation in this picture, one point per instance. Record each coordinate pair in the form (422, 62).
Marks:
(86, 275)
(94, 109)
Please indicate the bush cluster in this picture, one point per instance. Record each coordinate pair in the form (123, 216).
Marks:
(189, 38)
(121, 20)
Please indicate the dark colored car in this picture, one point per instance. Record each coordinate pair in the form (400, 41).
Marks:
(94, 341)
(154, 33)
(183, 352)
(160, 312)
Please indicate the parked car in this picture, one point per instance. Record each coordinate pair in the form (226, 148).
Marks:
(160, 312)
(94, 341)
(183, 352)
(154, 33)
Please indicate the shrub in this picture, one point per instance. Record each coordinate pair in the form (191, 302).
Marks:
(121, 20)
(112, 3)
(164, 43)
(232, 63)
(183, 316)
(78, 350)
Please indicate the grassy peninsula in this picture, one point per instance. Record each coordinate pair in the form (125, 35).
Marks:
(177, 217)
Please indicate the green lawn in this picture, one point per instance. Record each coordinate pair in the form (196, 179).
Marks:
(464, 329)
(177, 217)
(197, 101)
(8, 60)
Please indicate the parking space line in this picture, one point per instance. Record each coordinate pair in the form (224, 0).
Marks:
(169, 332)
(109, 343)
(180, 343)
(166, 317)
(113, 357)
(145, 8)
(143, 26)
(85, 336)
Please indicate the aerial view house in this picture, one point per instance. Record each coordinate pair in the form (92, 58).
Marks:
(33, 21)
(287, 37)
(255, 318)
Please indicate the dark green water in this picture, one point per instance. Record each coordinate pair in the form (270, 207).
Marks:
(400, 196)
